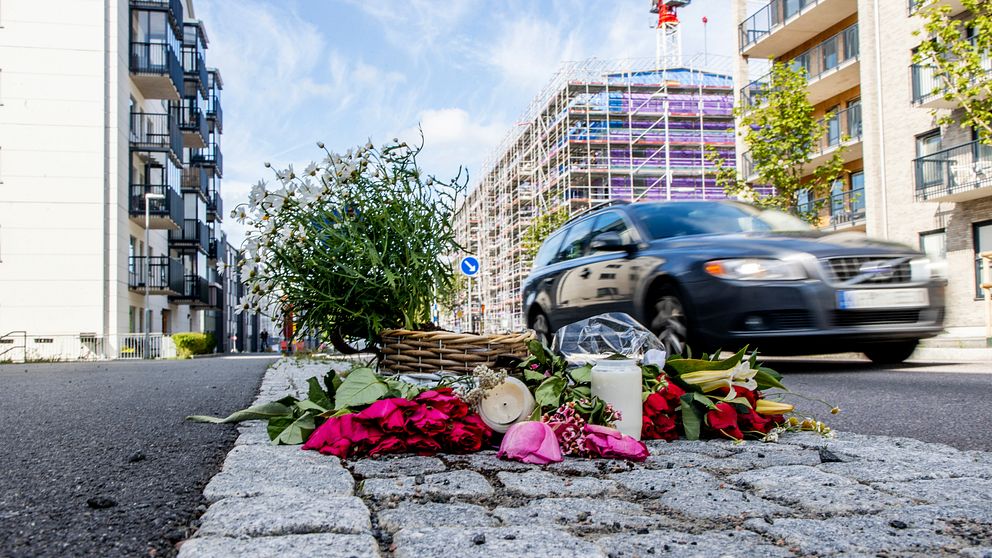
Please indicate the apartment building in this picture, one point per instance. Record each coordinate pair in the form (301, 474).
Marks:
(906, 178)
(635, 130)
(110, 174)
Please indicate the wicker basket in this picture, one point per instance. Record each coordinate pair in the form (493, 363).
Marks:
(406, 351)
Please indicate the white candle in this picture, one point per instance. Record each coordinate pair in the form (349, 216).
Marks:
(618, 382)
(506, 404)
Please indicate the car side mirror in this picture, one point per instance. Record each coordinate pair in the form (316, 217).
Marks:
(610, 242)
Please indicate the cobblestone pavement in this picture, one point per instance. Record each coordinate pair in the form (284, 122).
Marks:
(804, 496)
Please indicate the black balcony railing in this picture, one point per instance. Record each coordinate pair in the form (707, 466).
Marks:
(165, 274)
(157, 59)
(210, 156)
(842, 127)
(195, 68)
(190, 118)
(195, 180)
(956, 170)
(157, 132)
(194, 233)
(928, 83)
(214, 110)
(842, 207)
(173, 7)
(170, 208)
(768, 17)
(195, 291)
(218, 249)
(215, 206)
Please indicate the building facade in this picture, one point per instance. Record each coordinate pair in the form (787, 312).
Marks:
(907, 179)
(599, 131)
(110, 172)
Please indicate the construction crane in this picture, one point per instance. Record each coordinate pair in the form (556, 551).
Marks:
(669, 40)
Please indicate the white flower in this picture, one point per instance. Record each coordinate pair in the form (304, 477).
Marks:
(311, 169)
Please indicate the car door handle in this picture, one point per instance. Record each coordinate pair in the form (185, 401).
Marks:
(585, 273)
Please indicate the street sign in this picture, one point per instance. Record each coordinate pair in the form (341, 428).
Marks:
(469, 266)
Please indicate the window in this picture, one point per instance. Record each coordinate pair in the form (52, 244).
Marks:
(832, 120)
(132, 319)
(837, 197)
(851, 46)
(982, 238)
(804, 203)
(854, 118)
(576, 240)
(858, 191)
(928, 172)
(801, 62)
(612, 221)
(829, 54)
(934, 244)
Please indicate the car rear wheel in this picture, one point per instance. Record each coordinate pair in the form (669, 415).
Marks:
(539, 323)
(891, 353)
(670, 323)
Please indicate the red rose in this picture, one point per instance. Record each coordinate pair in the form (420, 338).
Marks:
(750, 420)
(475, 423)
(658, 420)
(659, 427)
(463, 439)
(444, 400)
(429, 420)
(389, 444)
(422, 445)
(724, 420)
(390, 414)
(342, 436)
(672, 393)
(656, 404)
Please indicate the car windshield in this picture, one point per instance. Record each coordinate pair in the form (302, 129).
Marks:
(665, 220)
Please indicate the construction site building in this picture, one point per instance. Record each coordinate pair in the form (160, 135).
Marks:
(634, 130)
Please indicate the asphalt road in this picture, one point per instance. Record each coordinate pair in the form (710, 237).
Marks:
(76, 437)
(933, 402)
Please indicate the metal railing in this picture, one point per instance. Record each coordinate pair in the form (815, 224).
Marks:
(194, 67)
(195, 291)
(210, 155)
(928, 83)
(157, 132)
(28, 347)
(157, 59)
(770, 16)
(190, 117)
(842, 207)
(954, 170)
(193, 232)
(174, 7)
(215, 205)
(171, 206)
(195, 180)
(164, 273)
(218, 249)
(842, 126)
(215, 111)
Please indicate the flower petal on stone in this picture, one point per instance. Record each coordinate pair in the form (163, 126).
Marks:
(530, 442)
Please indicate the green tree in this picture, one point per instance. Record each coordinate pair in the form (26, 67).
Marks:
(960, 61)
(539, 229)
(781, 134)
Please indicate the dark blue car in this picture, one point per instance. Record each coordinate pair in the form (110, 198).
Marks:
(723, 274)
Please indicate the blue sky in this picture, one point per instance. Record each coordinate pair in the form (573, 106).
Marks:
(345, 71)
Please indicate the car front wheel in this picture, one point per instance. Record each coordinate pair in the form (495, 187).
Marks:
(670, 323)
(891, 353)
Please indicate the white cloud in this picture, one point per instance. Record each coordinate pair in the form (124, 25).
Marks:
(452, 138)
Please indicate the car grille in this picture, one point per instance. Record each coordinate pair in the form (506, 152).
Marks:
(874, 270)
(846, 318)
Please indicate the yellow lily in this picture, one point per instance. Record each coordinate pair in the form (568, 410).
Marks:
(740, 375)
(766, 407)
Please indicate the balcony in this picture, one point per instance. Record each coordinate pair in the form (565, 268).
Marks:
(843, 129)
(194, 66)
(215, 114)
(210, 156)
(783, 25)
(192, 122)
(193, 234)
(215, 206)
(832, 66)
(929, 87)
(162, 213)
(195, 292)
(174, 9)
(843, 209)
(218, 248)
(157, 132)
(956, 6)
(156, 71)
(195, 180)
(957, 174)
(164, 275)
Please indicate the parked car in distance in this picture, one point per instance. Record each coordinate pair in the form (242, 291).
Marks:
(724, 274)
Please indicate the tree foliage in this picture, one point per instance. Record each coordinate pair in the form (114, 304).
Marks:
(539, 229)
(961, 65)
(781, 135)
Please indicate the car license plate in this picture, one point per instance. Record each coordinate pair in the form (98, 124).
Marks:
(882, 298)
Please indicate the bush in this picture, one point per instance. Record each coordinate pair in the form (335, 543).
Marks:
(190, 343)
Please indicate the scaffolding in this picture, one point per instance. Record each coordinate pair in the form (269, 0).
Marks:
(632, 130)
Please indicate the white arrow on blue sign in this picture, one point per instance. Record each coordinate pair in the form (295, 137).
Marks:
(470, 266)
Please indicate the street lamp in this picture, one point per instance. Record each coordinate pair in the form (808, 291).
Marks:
(147, 271)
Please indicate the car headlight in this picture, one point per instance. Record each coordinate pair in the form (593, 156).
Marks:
(756, 269)
(924, 269)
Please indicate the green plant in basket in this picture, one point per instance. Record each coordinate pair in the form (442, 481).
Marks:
(353, 245)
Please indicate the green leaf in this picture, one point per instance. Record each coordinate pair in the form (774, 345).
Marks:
(308, 405)
(258, 412)
(582, 374)
(533, 376)
(706, 401)
(289, 430)
(686, 365)
(536, 415)
(768, 378)
(360, 387)
(581, 392)
(740, 401)
(536, 350)
(331, 382)
(548, 394)
(691, 418)
(317, 395)
(399, 388)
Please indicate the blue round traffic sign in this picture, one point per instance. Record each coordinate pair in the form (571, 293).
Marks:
(470, 266)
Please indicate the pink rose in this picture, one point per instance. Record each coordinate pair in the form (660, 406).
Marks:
(342, 436)
(389, 414)
(530, 442)
(389, 444)
(422, 445)
(428, 420)
(609, 442)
